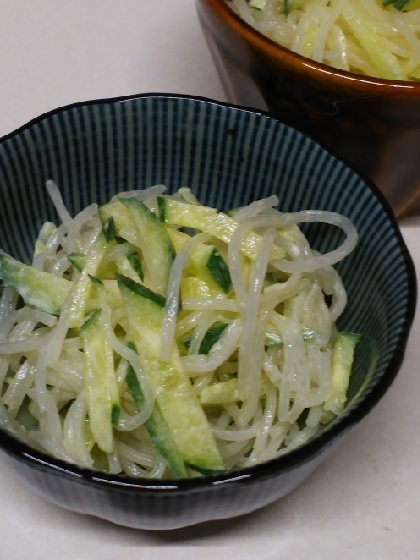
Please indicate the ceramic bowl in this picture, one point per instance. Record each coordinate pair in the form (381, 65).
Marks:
(229, 157)
(372, 124)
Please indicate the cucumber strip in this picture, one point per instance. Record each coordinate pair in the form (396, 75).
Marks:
(375, 45)
(125, 226)
(179, 239)
(342, 361)
(290, 5)
(133, 384)
(171, 385)
(102, 398)
(220, 271)
(207, 219)
(44, 235)
(135, 262)
(78, 260)
(82, 288)
(210, 338)
(126, 268)
(100, 459)
(99, 285)
(139, 289)
(205, 262)
(205, 472)
(112, 294)
(225, 392)
(157, 248)
(39, 289)
(109, 230)
(194, 288)
(156, 425)
(111, 375)
(115, 414)
(221, 393)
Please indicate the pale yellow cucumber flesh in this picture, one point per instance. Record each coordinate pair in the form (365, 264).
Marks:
(102, 399)
(342, 362)
(39, 289)
(156, 426)
(207, 219)
(172, 387)
(83, 286)
(157, 248)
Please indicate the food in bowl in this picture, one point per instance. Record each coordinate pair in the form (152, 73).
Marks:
(160, 338)
(372, 37)
(229, 157)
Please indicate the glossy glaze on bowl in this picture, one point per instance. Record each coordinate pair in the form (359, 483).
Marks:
(372, 124)
(229, 157)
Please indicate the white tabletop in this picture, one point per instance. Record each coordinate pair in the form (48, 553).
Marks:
(365, 501)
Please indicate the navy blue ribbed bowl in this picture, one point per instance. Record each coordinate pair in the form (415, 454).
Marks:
(229, 157)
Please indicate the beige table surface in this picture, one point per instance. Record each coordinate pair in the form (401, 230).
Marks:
(364, 503)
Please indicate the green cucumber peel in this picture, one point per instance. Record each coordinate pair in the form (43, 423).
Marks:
(40, 289)
(142, 291)
(135, 262)
(133, 384)
(219, 270)
(96, 281)
(203, 471)
(156, 425)
(210, 338)
(109, 230)
(78, 260)
(397, 4)
(356, 337)
(115, 414)
(94, 317)
(161, 207)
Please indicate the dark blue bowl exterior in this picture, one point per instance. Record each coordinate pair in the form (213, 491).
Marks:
(158, 509)
(228, 156)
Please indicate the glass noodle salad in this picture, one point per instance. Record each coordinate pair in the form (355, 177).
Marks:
(379, 38)
(157, 337)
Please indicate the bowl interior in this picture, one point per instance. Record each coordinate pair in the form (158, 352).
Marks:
(228, 157)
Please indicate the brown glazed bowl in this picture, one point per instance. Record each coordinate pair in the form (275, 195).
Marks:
(371, 124)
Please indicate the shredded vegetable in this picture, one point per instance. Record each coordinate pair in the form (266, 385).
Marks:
(372, 37)
(239, 320)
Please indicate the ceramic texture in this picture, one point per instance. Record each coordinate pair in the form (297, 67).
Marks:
(228, 157)
(372, 124)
